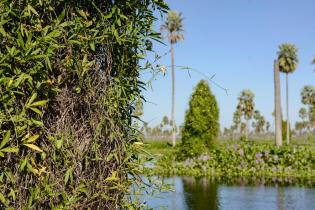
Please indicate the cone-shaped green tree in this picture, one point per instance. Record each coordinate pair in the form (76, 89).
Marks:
(201, 125)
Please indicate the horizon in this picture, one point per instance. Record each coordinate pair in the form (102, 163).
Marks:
(238, 44)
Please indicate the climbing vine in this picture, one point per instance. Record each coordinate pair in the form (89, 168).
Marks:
(69, 80)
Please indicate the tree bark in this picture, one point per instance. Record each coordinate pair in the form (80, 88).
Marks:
(278, 123)
(173, 98)
(287, 108)
(247, 129)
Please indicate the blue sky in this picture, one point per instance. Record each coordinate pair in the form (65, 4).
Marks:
(237, 40)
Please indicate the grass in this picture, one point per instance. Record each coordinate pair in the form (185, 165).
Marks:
(162, 147)
(158, 147)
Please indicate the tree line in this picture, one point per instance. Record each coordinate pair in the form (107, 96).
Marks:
(247, 117)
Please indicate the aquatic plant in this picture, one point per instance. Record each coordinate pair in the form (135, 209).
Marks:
(243, 159)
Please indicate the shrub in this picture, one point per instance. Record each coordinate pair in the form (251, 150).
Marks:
(201, 124)
(243, 160)
(191, 148)
(69, 77)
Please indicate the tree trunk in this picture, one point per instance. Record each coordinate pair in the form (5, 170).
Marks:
(287, 107)
(173, 97)
(247, 129)
(278, 123)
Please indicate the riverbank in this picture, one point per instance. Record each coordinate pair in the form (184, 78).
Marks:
(295, 163)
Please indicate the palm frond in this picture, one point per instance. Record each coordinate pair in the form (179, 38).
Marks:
(173, 26)
(287, 56)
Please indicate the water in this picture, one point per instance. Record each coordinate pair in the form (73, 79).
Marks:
(203, 194)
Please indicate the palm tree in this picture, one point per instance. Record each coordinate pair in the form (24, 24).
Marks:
(308, 95)
(288, 60)
(174, 28)
(277, 113)
(303, 114)
(308, 98)
(246, 106)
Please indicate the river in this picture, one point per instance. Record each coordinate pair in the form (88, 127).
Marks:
(203, 194)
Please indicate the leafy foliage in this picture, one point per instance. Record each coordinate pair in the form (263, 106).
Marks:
(69, 80)
(174, 26)
(245, 108)
(287, 57)
(201, 124)
(308, 95)
(308, 99)
(246, 104)
(259, 122)
(241, 160)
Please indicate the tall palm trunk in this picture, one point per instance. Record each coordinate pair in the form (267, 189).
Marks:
(247, 129)
(278, 123)
(173, 98)
(287, 107)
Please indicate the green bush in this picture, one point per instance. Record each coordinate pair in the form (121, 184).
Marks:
(191, 148)
(243, 160)
(201, 124)
(69, 80)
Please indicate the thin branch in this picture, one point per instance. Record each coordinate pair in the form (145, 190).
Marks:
(204, 75)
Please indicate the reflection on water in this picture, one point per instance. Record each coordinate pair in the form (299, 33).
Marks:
(200, 193)
(203, 193)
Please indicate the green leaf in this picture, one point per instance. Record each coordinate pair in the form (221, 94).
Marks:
(5, 139)
(68, 175)
(108, 16)
(118, 22)
(33, 97)
(36, 110)
(37, 122)
(23, 164)
(12, 194)
(82, 188)
(92, 45)
(2, 31)
(32, 138)
(113, 177)
(61, 16)
(3, 200)
(33, 147)
(39, 103)
(59, 143)
(10, 150)
(30, 8)
(48, 63)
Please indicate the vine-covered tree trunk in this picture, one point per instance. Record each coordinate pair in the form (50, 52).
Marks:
(69, 80)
